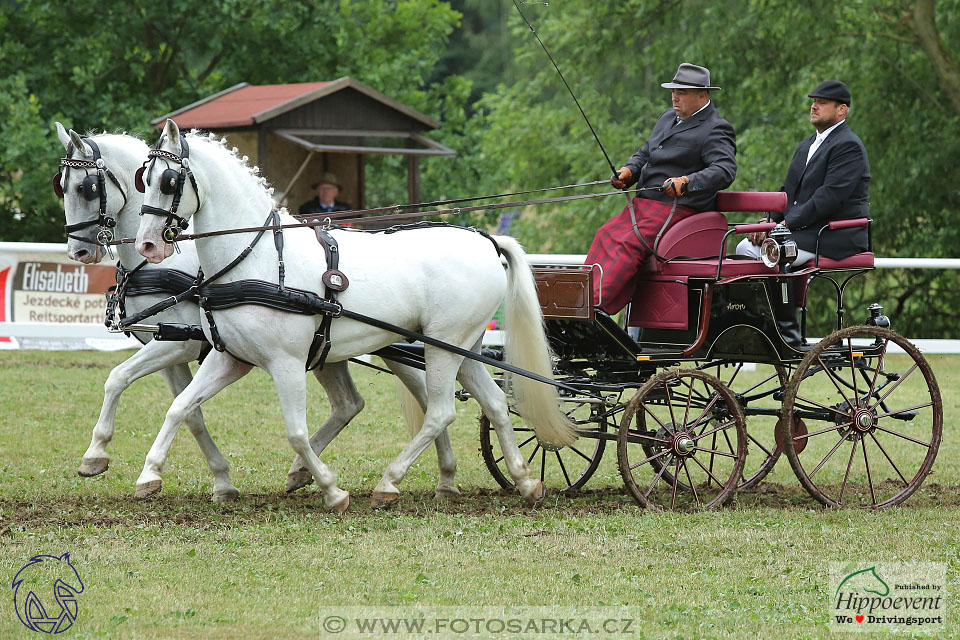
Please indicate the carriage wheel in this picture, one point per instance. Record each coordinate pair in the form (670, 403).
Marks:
(563, 468)
(696, 435)
(872, 419)
(760, 389)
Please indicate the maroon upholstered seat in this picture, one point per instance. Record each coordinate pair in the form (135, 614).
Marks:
(857, 261)
(708, 268)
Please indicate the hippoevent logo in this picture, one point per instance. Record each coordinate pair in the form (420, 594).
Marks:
(45, 593)
(888, 596)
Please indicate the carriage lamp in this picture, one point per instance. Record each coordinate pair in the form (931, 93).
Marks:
(778, 249)
(877, 319)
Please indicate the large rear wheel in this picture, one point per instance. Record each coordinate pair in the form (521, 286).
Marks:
(863, 418)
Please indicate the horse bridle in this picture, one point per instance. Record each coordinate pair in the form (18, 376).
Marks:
(92, 187)
(171, 183)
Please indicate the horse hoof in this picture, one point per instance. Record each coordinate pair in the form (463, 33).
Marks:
(447, 493)
(90, 467)
(228, 495)
(298, 479)
(341, 506)
(382, 500)
(536, 496)
(147, 489)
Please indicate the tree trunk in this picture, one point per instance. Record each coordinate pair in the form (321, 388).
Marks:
(922, 22)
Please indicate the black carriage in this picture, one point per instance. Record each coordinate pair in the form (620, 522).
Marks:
(697, 375)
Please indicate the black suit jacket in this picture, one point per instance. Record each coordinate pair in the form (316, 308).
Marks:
(703, 147)
(313, 206)
(834, 185)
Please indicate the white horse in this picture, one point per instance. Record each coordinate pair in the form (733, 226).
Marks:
(446, 282)
(122, 155)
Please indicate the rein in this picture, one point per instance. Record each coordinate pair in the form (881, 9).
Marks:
(399, 216)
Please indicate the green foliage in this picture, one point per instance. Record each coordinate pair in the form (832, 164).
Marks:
(115, 66)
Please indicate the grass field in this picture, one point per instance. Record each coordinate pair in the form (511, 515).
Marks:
(271, 564)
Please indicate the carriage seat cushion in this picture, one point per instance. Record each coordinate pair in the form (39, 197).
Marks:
(856, 261)
(708, 268)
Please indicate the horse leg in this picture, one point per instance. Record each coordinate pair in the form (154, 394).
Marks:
(345, 403)
(217, 371)
(415, 382)
(152, 357)
(178, 377)
(291, 388)
(492, 400)
(440, 411)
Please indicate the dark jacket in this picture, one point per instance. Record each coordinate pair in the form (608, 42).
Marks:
(313, 206)
(703, 147)
(834, 185)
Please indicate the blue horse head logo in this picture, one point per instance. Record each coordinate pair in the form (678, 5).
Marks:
(39, 576)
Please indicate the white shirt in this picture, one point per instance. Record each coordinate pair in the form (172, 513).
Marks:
(694, 113)
(820, 138)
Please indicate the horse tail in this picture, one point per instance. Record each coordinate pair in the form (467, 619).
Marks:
(526, 347)
(410, 408)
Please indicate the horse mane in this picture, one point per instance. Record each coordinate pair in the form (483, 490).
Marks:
(219, 145)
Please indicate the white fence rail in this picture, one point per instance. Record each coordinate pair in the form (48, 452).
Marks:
(93, 335)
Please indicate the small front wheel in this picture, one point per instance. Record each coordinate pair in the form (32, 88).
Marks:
(689, 424)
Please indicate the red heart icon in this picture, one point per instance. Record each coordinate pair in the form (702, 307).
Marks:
(859, 618)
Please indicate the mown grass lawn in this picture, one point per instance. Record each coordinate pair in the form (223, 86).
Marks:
(271, 564)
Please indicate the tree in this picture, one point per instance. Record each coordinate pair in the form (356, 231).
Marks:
(114, 66)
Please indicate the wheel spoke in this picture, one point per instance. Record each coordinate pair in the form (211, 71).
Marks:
(893, 413)
(895, 385)
(543, 462)
(827, 430)
(846, 475)
(876, 371)
(853, 369)
(822, 406)
(827, 457)
(654, 416)
(757, 442)
(693, 488)
(579, 453)
(535, 449)
(666, 389)
(657, 477)
(563, 468)
(905, 437)
(707, 471)
(717, 452)
(834, 379)
(890, 460)
(720, 428)
(866, 463)
(676, 479)
(526, 442)
(654, 456)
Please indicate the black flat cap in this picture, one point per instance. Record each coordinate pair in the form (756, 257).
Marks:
(832, 90)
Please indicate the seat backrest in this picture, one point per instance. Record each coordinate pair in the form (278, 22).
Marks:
(696, 236)
(760, 201)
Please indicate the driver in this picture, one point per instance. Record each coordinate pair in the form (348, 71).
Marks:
(689, 156)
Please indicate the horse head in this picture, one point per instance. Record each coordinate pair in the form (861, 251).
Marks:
(92, 183)
(170, 194)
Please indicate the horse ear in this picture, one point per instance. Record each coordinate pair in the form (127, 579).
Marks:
(63, 135)
(172, 132)
(81, 146)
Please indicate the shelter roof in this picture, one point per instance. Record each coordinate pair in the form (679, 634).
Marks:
(245, 105)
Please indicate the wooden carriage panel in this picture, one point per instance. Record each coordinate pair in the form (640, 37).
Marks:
(565, 293)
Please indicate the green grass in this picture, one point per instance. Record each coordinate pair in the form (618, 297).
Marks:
(268, 566)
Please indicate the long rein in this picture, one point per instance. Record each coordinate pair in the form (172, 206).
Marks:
(356, 216)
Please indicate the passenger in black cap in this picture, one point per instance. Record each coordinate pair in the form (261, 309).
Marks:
(828, 179)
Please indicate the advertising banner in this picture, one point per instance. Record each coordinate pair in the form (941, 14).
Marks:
(49, 301)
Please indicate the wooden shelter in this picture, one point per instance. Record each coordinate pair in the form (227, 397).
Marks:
(296, 132)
